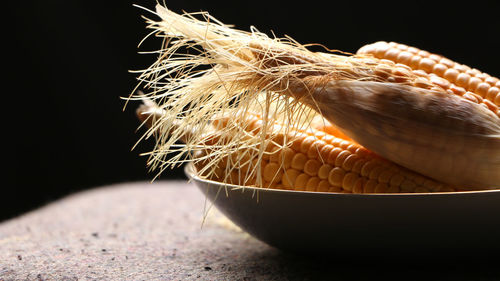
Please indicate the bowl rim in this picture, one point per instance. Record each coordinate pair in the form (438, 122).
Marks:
(192, 175)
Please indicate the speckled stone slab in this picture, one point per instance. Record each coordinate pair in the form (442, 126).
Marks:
(143, 231)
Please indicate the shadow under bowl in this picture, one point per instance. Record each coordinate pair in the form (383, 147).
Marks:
(417, 224)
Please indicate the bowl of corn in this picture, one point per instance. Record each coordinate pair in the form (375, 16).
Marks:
(405, 157)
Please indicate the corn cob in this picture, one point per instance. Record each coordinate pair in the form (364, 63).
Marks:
(316, 161)
(453, 77)
(438, 135)
(311, 160)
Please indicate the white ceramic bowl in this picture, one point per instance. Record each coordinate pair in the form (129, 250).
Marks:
(452, 223)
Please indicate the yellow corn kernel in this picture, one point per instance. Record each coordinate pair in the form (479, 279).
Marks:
(301, 182)
(312, 184)
(349, 181)
(324, 171)
(289, 177)
(323, 186)
(272, 172)
(311, 167)
(336, 176)
(299, 161)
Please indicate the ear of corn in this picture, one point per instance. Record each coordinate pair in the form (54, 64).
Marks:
(304, 160)
(432, 133)
(466, 131)
(316, 161)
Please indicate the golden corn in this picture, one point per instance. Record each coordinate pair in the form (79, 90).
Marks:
(453, 77)
(373, 97)
(317, 161)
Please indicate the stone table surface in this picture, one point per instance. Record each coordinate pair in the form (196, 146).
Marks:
(160, 231)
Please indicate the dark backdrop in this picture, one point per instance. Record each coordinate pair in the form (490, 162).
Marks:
(66, 130)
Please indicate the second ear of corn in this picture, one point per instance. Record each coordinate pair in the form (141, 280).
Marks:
(314, 160)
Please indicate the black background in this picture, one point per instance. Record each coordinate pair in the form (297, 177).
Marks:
(68, 64)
